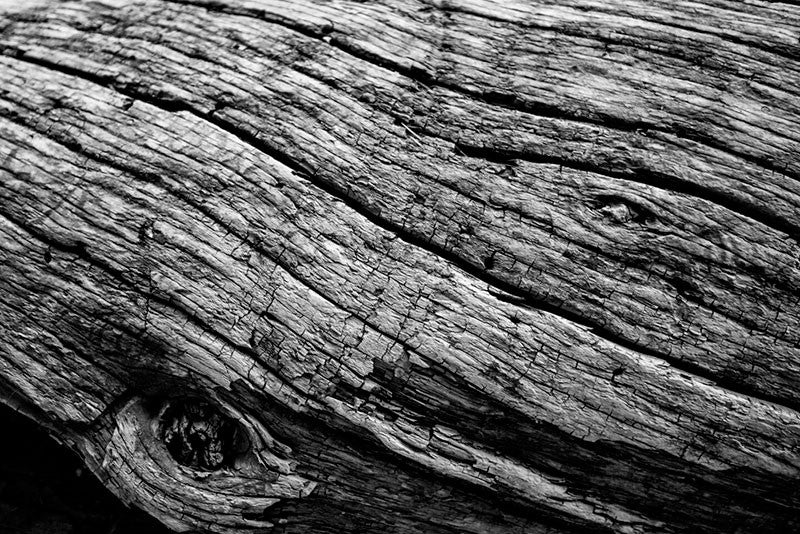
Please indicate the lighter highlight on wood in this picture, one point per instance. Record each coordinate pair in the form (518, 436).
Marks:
(410, 266)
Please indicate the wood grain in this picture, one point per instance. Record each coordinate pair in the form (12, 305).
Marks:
(453, 266)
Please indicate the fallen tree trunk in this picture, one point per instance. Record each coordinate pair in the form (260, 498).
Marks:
(417, 266)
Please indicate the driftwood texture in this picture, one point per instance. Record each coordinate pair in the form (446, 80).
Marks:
(410, 266)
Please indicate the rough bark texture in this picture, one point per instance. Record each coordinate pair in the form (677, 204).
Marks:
(410, 266)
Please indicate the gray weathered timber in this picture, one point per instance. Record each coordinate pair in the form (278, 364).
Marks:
(468, 266)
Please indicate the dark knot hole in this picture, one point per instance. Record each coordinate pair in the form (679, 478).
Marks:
(198, 435)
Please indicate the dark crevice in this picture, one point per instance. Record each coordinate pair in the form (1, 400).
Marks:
(98, 390)
(649, 177)
(378, 465)
(778, 49)
(197, 434)
(544, 514)
(490, 97)
(475, 270)
(82, 253)
(439, 397)
(496, 429)
(637, 214)
(695, 56)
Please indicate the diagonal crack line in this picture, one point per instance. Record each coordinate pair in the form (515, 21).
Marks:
(663, 181)
(650, 178)
(79, 249)
(614, 39)
(172, 106)
(522, 298)
(680, 132)
(780, 49)
(489, 97)
(659, 180)
(535, 158)
(98, 392)
(150, 178)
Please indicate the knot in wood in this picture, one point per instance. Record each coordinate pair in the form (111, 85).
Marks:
(198, 435)
(623, 210)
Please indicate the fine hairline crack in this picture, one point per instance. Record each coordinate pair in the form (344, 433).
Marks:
(490, 97)
(525, 299)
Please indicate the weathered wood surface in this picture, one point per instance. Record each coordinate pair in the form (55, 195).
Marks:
(472, 266)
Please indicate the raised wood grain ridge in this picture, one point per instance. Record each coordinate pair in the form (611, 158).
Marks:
(474, 266)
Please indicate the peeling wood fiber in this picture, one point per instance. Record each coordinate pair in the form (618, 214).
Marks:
(475, 266)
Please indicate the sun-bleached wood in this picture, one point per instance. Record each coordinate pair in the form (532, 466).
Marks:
(473, 266)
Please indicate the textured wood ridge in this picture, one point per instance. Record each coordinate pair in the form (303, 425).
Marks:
(488, 267)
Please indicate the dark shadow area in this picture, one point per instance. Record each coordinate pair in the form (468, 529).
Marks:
(45, 490)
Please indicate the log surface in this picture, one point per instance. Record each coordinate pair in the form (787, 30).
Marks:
(474, 266)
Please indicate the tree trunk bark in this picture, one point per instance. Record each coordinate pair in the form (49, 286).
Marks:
(410, 266)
